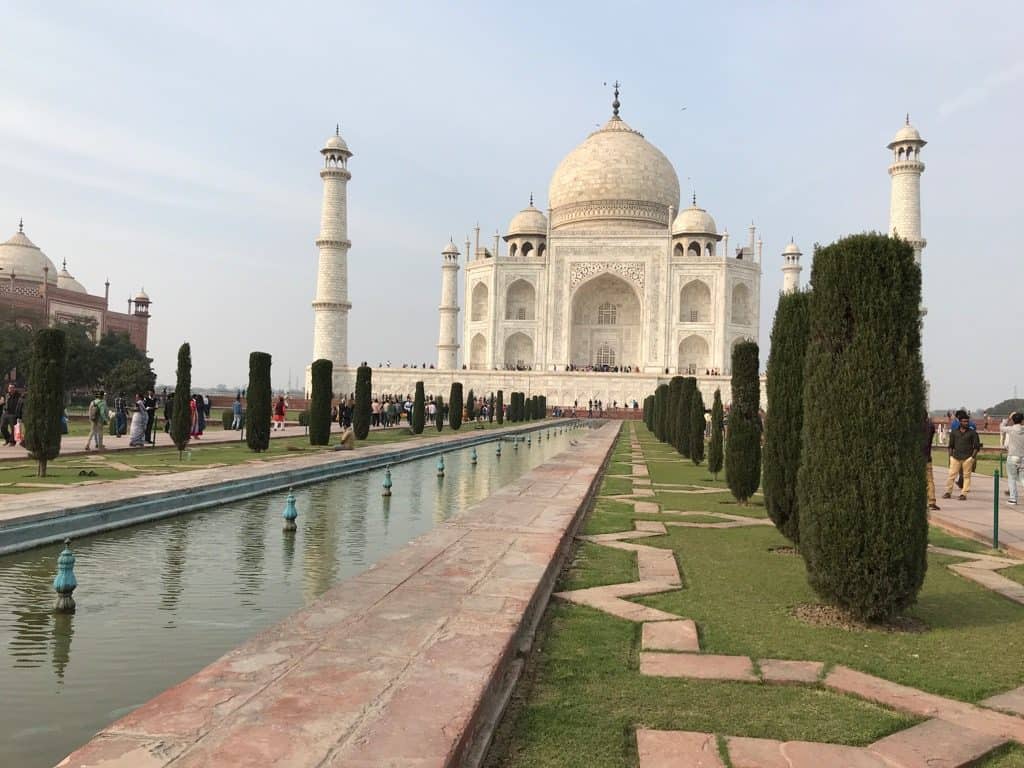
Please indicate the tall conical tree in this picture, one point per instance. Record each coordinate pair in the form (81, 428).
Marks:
(490, 408)
(697, 426)
(499, 407)
(320, 402)
(258, 398)
(683, 417)
(470, 406)
(715, 448)
(439, 413)
(362, 408)
(419, 410)
(861, 482)
(661, 410)
(784, 420)
(44, 404)
(743, 446)
(675, 399)
(180, 412)
(455, 405)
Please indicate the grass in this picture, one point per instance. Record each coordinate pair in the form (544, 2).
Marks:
(581, 696)
(940, 538)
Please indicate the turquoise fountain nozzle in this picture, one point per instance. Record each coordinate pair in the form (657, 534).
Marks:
(387, 482)
(290, 512)
(65, 582)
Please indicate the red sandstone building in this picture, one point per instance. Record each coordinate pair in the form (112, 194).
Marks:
(31, 288)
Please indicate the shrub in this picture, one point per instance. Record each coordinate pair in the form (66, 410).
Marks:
(361, 410)
(455, 405)
(715, 447)
(683, 417)
(180, 413)
(439, 413)
(227, 418)
(419, 410)
(257, 403)
(697, 426)
(785, 417)
(304, 421)
(743, 446)
(44, 404)
(861, 482)
(319, 413)
(499, 409)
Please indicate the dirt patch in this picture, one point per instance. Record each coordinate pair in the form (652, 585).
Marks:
(784, 550)
(819, 615)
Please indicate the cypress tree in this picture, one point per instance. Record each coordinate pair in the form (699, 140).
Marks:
(419, 410)
(683, 416)
(697, 426)
(675, 396)
(470, 406)
(861, 482)
(542, 401)
(661, 411)
(455, 406)
(499, 408)
(715, 448)
(180, 412)
(320, 402)
(44, 403)
(439, 413)
(743, 446)
(490, 408)
(258, 398)
(785, 418)
(362, 407)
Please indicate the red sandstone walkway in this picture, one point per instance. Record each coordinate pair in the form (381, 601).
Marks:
(405, 666)
(973, 518)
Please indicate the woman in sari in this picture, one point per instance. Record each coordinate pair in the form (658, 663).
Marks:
(137, 438)
(193, 416)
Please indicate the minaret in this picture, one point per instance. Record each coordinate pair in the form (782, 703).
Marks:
(906, 170)
(791, 268)
(447, 337)
(331, 305)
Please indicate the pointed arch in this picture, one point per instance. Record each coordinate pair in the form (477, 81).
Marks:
(519, 351)
(694, 355)
(479, 303)
(695, 302)
(521, 301)
(606, 317)
(478, 352)
(741, 301)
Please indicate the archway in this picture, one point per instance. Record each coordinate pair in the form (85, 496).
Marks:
(519, 351)
(740, 304)
(695, 302)
(520, 301)
(606, 324)
(478, 305)
(478, 353)
(694, 355)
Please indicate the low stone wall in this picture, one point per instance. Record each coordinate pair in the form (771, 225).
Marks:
(408, 664)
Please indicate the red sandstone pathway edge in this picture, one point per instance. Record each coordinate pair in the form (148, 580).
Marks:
(406, 666)
(972, 518)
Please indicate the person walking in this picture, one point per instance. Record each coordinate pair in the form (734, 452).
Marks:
(99, 415)
(120, 415)
(149, 401)
(11, 414)
(168, 410)
(140, 418)
(236, 413)
(964, 445)
(929, 440)
(1013, 432)
(279, 413)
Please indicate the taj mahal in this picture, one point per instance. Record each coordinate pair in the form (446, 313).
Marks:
(605, 294)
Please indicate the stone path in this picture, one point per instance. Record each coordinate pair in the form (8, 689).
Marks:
(983, 569)
(973, 518)
(955, 734)
(408, 665)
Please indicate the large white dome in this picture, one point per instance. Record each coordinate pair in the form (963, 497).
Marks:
(22, 258)
(614, 175)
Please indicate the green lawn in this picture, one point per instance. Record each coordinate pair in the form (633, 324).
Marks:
(581, 696)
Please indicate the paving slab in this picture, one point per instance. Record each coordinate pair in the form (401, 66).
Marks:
(1011, 701)
(679, 636)
(698, 666)
(935, 744)
(783, 671)
(808, 754)
(677, 749)
(991, 579)
(650, 525)
(609, 599)
(756, 753)
(407, 665)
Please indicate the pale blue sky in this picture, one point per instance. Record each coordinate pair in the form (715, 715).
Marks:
(175, 146)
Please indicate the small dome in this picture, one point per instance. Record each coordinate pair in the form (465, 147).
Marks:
(142, 297)
(335, 143)
(791, 249)
(22, 258)
(451, 249)
(67, 282)
(907, 133)
(694, 221)
(529, 221)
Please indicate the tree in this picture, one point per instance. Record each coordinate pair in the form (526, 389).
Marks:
(181, 416)
(784, 420)
(542, 403)
(743, 446)
(499, 409)
(131, 377)
(419, 410)
(16, 344)
(661, 411)
(683, 417)
(455, 405)
(439, 414)
(258, 399)
(675, 393)
(321, 374)
(861, 486)
(45, 399)
(490, 409)
(715, 452)
(697, 426)
(470, 406)
(361, 410)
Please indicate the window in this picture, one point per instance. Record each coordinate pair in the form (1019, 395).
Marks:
(606, 314)
(521, 313)
(694, 316)
(605, 355)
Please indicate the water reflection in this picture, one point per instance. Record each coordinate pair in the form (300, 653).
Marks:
(32, 611)
(249, 559)
(173, 571)
(63, 631)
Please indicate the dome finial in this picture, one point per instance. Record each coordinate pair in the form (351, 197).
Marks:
(64, 265)
(531, 199)
(21, 225)
(695, 198)
(908, 118)
(615, 102)
(337, 129)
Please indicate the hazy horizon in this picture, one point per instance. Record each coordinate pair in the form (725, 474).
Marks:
(176, 148)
